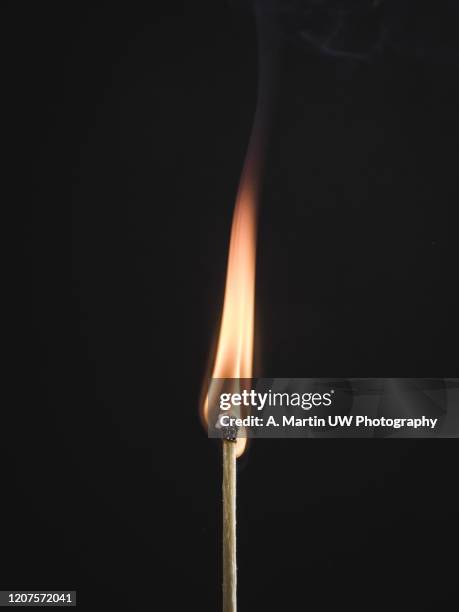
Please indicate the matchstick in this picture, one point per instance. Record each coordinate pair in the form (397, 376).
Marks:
(229, 525)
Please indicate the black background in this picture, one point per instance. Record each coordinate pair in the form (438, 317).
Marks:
(129, 130)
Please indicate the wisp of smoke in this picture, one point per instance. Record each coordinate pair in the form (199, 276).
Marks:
(363, 30)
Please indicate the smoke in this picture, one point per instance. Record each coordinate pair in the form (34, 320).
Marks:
(364, 30)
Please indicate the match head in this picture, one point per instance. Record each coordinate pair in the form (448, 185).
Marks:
(229, 433)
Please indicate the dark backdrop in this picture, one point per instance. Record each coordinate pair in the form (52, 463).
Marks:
(130, 126)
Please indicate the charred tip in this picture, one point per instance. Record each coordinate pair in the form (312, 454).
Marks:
(230, 433)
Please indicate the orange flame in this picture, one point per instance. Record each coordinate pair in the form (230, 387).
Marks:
(234, 356)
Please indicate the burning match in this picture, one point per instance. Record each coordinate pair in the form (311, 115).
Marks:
(234, 355)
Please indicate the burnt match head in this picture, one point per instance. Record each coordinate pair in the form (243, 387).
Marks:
(229, 433)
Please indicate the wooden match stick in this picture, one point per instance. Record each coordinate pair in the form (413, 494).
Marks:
(229, 526)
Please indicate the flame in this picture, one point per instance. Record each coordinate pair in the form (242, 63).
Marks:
(234, 356)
